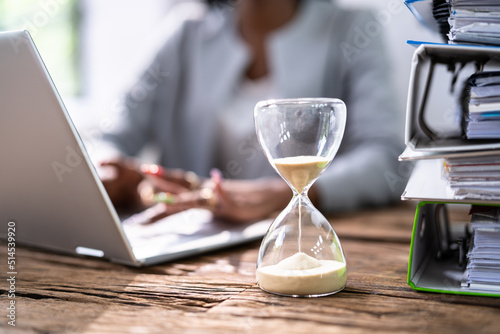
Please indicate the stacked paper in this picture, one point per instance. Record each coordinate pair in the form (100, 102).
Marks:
(474, 22)
(483, 266)
(482, 106)
(460, 21)
(474, 178)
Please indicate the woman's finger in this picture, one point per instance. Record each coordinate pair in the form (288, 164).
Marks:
(187, 180)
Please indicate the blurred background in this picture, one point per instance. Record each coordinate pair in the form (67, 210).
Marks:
(92, 48)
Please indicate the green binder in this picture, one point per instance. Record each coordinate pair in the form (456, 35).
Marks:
(437, 252)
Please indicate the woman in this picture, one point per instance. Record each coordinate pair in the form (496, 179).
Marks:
(196, 106)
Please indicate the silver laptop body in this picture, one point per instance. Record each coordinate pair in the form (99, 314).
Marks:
(51, 193)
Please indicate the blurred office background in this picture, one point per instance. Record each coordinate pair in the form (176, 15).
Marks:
(93, 47)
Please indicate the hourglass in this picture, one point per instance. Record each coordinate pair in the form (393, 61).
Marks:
(300, 255)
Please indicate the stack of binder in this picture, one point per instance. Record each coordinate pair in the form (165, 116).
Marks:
(459, 166)
(460, 21)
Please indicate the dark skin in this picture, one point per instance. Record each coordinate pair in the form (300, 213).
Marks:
(257, 19)
(236, 200)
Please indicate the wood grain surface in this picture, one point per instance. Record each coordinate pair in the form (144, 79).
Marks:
(216, 292)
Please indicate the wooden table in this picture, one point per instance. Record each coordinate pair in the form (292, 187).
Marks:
(216, 293)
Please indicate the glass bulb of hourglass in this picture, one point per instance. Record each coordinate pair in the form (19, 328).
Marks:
(300, 254)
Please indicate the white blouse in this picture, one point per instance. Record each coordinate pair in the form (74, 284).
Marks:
(239, 154)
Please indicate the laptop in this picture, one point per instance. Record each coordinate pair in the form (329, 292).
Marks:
(50, 191)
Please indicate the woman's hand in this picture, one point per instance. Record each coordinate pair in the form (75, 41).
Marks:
(234, 200)
(121, 178)
(132, 186)
(250, 200)
(166, 192)
(173, 181)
